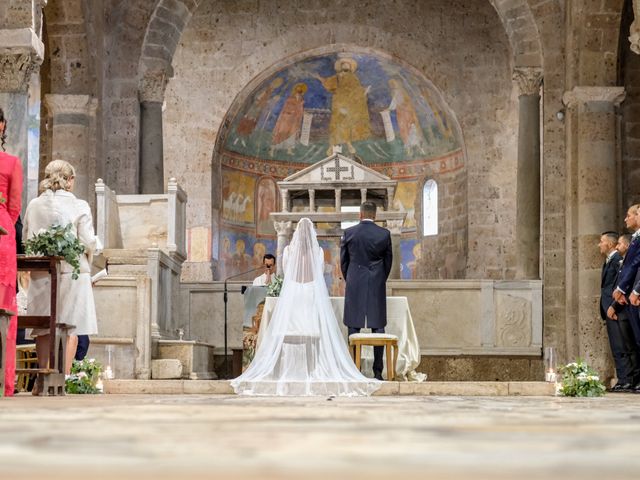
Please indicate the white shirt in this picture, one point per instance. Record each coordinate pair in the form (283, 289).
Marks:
(260, 281)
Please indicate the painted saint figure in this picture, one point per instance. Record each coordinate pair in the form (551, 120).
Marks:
(349, 110)
(408, 123)
(248, 123)
(287, 129)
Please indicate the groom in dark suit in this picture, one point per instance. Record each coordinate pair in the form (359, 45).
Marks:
(365, 260)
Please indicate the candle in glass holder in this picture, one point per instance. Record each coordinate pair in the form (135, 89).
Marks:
(550, 359)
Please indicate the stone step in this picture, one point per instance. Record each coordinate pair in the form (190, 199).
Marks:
(222, 387)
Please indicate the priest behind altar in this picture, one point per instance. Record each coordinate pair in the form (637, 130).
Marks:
(269, 264)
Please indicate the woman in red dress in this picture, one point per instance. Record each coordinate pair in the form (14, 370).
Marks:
(10, 204)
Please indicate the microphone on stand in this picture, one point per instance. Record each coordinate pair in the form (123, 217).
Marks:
(225, 299)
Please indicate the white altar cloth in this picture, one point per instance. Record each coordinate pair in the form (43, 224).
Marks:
(399, 323)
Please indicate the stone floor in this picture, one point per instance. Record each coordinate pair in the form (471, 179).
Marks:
(226, 436)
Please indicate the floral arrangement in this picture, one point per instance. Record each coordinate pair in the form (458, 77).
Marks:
(85, 377)
(57, 241)
(273, 289)
(580, 380)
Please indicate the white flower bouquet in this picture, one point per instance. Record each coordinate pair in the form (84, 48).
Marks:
(580, 380)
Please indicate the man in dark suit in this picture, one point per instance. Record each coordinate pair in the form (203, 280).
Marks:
(621, 314)
(365, 261)
(607, 246)
(624, 291)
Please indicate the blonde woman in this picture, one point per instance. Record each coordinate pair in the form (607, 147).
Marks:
(56, 205)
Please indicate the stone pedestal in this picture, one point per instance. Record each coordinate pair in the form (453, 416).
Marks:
(70, 141)
(528, 174)
(593, 209)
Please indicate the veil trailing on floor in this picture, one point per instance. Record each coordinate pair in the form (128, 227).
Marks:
(303, 351)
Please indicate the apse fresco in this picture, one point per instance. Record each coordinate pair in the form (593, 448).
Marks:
(241, 251)
(374, 108)
(410, 253)
(381, 112)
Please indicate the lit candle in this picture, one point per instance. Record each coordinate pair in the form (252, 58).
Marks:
(550, 376)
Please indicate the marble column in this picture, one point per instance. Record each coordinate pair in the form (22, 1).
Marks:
(312, 200)
(283, 230)
(151, 166)
(529, 80)
(592, 209)
(70, 140)
(395, 227)
(284, 199)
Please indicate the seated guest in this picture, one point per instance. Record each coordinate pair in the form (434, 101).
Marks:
(269, 264)
(56, 205)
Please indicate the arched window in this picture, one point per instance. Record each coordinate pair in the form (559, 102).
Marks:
(430, 208)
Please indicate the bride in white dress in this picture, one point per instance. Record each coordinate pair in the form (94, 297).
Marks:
(303, 351)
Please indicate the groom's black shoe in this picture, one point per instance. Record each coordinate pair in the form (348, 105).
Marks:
(378, 375)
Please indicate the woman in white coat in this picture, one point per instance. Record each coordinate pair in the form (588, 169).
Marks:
(56, 205)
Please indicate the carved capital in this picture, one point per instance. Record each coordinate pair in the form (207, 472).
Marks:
(634, 31)
(528, 79)
(395, 226)
(152, 86)
(584, 95)
(16, 70)
(71, 104)
(283, 228)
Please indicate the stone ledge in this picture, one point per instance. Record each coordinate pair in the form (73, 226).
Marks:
(222, 387)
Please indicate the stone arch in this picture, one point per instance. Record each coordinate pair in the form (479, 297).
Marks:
(521, 28)
(163, 33)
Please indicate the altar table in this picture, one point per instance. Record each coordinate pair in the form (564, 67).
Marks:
(399, 323)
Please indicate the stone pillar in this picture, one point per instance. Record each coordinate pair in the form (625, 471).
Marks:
(151, 166)
(70, 140)
(363, 195)
(338, 200)
(283, 230)
(16, 67)
(529, 80)
(592, 191)
(395, 227)
(634, 30)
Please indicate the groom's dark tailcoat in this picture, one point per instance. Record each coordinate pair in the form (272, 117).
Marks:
(365, 260)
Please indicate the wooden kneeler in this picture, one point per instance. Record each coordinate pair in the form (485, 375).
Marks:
(50, 379)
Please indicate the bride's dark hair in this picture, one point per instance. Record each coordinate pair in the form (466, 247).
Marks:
(3, 137)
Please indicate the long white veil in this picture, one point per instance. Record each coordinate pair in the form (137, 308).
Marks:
(303, 351)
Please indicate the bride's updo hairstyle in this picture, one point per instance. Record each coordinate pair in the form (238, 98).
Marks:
(57, 176)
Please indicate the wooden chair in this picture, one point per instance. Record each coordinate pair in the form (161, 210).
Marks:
(26, 358)
(388, 341)
(50, 380)
(5, 318)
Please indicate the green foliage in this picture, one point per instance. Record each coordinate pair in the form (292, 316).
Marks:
(84, 377)
(580, 380)
(2, 199)
(273, 289)
(57, 241)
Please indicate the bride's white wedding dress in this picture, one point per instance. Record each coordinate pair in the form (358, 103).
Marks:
(303, 351)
